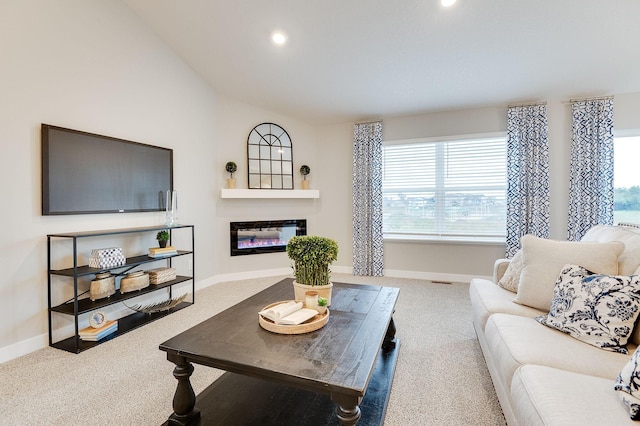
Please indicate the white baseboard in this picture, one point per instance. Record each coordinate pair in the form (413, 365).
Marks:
(418, 275)
(27, 346)
(24, 347)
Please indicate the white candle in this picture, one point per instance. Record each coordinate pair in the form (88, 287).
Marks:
(311, 299)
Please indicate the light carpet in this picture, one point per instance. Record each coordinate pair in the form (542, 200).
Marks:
(441, 377)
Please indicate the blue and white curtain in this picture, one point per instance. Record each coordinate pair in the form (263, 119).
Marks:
(368, 243)
(591, 170)
(527, 174)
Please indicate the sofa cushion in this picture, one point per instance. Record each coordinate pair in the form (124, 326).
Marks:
(628, 385)
(513, 341)
(487, 298)
(547, 396)
(543, 260)
(629, 259)
(600, 310)
(511, 278)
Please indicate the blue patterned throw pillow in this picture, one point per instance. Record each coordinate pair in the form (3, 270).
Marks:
(597, 309)
(628, 385)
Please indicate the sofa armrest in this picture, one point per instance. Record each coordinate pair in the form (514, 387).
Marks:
(499, 268)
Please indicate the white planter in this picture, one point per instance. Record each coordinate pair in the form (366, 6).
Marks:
(323, 291)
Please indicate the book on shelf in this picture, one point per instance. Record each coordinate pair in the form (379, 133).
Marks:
(95, 334)
(288, 313)
(162, 251)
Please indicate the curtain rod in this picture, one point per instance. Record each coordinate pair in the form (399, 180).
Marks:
(593, 98)
(527, 104)
(368, 122)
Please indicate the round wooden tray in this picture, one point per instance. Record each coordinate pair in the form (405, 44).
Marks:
(308, 326)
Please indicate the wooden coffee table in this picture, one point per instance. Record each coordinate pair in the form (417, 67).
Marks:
(289, 379)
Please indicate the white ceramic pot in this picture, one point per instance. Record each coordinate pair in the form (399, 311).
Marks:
(299, 291)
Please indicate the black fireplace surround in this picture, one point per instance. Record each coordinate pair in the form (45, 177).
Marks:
(269, 236)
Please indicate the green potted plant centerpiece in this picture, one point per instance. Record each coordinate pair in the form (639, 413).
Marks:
(304, 171)
(231, 168)
(311, 257)
(162, 237)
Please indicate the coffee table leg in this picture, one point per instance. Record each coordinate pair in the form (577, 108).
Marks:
(184, 400)
(348, 411)
(389, 341)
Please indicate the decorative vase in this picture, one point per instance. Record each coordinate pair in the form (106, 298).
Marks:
(231, 183)
(299, 291)
(171, 214)
(305, 184)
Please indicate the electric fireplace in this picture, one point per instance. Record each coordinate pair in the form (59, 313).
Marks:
(270, 236)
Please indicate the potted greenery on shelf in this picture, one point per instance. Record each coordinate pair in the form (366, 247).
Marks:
(304, 171)
(311, 257)
(231, 168)
(162, 237)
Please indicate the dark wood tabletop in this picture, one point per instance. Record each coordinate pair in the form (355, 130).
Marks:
(337, 359)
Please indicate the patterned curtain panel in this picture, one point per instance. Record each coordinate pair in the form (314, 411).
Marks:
(368, 244)
(591, 170)
(527, 174)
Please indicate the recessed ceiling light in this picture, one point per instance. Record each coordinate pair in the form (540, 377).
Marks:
(279, 38)
(447, 3)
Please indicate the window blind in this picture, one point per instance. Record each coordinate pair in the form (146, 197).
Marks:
(445, 188)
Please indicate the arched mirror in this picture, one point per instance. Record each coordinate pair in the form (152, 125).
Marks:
(270, 157)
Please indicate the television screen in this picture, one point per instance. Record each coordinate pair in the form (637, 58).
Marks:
(88, 173)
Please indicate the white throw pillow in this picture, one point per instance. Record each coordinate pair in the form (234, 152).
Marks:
(629, 260)
(543, 260)
(628, 385)
(511, 278)
(594, 308)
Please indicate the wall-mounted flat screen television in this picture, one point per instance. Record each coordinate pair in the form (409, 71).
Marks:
(85, 173)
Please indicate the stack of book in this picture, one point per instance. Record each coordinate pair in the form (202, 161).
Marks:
(94, 334)
(162, 251)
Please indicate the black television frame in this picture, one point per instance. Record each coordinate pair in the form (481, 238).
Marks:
(136, 153)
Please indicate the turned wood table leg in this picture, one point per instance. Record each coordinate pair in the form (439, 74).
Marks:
(184, 400)
(348, 411)
(389, 341)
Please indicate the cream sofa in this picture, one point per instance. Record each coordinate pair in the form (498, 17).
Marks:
(543, 376)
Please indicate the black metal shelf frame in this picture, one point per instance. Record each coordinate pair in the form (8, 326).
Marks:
(77, 306)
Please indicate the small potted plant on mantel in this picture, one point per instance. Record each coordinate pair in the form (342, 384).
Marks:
(304, 171)
(311, 257)
(162, 237)
(231, 168)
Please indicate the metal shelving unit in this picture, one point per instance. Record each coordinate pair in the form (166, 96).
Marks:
(78, 306)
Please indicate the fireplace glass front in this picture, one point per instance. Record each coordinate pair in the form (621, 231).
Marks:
(264, 236)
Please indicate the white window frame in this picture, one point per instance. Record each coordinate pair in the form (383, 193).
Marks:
(441, 237)
(621, 134)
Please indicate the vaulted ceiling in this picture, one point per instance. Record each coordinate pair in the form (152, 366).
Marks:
(348, 60)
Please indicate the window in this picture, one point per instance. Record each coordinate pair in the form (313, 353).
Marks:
(452, 189)
(626, 179)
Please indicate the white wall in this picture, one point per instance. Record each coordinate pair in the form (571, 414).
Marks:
(93, 66)
(444, 260)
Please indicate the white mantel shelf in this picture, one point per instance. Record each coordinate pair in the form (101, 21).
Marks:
(269, 193)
